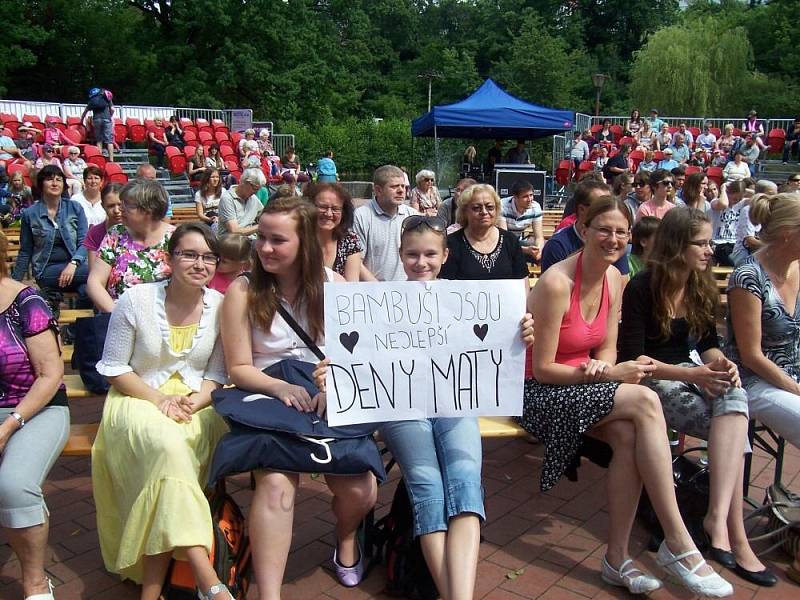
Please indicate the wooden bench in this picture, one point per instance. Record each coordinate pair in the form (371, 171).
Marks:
(69, 315)
(500, 427)
(81, 438)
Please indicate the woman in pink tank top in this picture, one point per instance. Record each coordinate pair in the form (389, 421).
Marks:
(578, 388)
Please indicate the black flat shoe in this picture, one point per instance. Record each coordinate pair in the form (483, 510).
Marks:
(724, 557)
(765, 578)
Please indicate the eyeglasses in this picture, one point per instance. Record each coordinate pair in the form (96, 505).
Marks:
(794, 179)
(479, 208)
(640, 184)
(666, 183)
(429, 179)
(190, 256)
(702, 243)
(126, 206)
(413, 222)
(334, 210)
(605, 232)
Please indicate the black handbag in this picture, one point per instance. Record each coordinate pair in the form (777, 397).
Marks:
(90, 337)
(692, 486)
(267, 434)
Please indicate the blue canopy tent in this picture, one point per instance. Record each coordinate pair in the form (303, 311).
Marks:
(491, 112)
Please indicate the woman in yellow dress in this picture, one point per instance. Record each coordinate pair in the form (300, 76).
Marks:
(158, 431)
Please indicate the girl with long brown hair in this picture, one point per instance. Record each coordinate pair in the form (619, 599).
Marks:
(668, 311)
(288, 270)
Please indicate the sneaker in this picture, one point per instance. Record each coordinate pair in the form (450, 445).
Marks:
(628, 576)
(349, 576)
(711, 585)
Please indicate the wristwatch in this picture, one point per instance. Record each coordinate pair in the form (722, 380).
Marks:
(19, 419)
(76, 262)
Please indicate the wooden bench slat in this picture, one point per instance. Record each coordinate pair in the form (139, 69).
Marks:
(75, 388)
(500, 427)
(69, 315)
(81, 438)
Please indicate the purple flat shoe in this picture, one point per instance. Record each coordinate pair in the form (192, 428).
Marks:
(349, 576)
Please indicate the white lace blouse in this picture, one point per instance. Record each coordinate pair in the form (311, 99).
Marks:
(138, 340)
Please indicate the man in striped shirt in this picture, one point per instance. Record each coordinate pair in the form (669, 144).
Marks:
(524, 218)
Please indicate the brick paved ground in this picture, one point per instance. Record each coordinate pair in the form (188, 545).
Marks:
(535, 545)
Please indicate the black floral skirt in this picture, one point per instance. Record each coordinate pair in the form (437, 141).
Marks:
(559, 415)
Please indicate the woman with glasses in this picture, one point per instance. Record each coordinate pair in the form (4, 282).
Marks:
(668, 311)
(662, 185)
(480, 249)
(425, 196)
(136, 251)
(74, 167)
(159, 431)
(51, 241)
(341, 248)
(578, 388)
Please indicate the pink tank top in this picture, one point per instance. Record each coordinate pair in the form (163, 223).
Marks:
(577, 338)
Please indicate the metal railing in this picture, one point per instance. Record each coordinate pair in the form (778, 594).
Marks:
(559, 150)
(720, 122)
(281, 141)
(121, 111)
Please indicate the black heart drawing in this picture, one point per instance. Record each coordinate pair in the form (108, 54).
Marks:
(480, 330)
(349, 340)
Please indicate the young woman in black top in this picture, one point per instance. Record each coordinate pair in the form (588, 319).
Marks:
(669, 310)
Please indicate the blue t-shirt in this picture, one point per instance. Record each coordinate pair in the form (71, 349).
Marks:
(566, 242)
(6, 142)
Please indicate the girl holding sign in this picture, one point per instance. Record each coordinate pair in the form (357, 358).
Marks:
(440, 457)
(579, 388)
(287, 270)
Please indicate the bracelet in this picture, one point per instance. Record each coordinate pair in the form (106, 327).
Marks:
(19, 418)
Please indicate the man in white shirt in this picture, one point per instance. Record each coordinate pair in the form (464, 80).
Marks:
(378, 224)
(707, 140)
(580, 149)
(239, 207)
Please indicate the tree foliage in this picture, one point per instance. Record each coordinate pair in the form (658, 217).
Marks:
(315, 64)
(696, 67)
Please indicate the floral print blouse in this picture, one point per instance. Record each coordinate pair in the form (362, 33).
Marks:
(131, 262)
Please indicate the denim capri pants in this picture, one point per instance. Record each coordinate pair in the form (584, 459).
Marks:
(27, 459)
(441, 463)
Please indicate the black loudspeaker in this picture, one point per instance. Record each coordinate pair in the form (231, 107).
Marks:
(506, 175)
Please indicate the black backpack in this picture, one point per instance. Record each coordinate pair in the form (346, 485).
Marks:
(407, 574)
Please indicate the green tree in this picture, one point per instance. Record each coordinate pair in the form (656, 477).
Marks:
(694, 68)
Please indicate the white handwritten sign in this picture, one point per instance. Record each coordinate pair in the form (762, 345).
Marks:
(409, 350)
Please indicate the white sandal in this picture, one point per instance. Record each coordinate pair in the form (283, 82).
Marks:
(46, 595)
(711, 585)
(629, 576)
(213, 591)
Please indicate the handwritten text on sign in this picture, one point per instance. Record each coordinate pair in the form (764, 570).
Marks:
(410, 350)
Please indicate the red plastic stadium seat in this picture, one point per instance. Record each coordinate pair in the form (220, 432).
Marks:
(79, 130)
(695, 131)
(188, 151)
(120, 131)
(596, 127)
(10, 130)
(585, 167)
(658, 155)
(636, 156)
(693, 169)
(204, 125)
(616, 132)
(74, 121)
(114, 173)
(136, 131)
(631, 141)
(226, 150)
(672, 130)
(715, 174)
(94, 156)
(185, 122)
(716, 131)
(31, 118)
(205, 137)
(563, 172)
(221, 136)
(235, 139)
(149, 123)
(176, 161)
(73, 136)
(776, 140)
(189, 136)
(737, 132)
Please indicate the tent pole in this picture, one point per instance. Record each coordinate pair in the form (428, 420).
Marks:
(436, 153)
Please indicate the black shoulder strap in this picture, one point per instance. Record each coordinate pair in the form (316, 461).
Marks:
(300, 332)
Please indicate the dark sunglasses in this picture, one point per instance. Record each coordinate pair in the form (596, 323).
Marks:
(414, 222)
(794, 179)
(667, 183)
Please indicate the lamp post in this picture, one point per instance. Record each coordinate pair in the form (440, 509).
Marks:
(599, 80)
(430, 76)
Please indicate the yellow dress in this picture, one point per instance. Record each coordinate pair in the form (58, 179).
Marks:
(148, 475)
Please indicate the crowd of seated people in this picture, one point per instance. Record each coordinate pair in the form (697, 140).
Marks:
(113, 246)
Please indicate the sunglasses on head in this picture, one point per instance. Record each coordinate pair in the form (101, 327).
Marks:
(414, 222)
